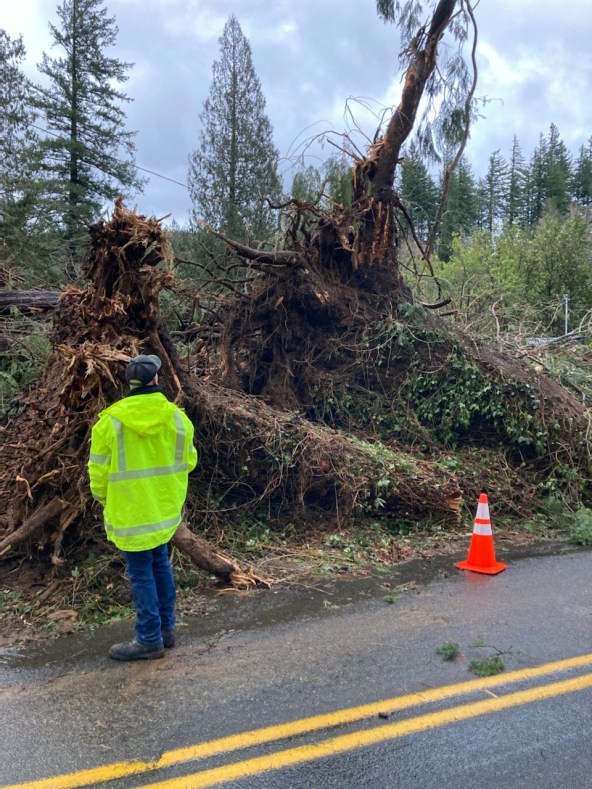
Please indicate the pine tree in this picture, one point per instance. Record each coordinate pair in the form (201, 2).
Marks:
(462, 209)
(493, 191)
(418, 191)
(516, 209)
(558, 171)
(536, 189)
(18, 146)
(235, 166)
(89, 154)
(582, 176)
(15, 118)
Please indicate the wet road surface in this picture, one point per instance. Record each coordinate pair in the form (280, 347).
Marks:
(352, 681)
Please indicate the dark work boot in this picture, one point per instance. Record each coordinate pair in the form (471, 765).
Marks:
(133, 650)
(168, 638)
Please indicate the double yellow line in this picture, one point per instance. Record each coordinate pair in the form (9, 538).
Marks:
(335, 745)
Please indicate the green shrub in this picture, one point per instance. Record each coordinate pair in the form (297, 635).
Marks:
(487, 667)
(449, 650)
(580, 530)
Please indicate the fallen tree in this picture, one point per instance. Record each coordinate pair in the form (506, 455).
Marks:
(30, 301)
(96, 330)
(326, 385)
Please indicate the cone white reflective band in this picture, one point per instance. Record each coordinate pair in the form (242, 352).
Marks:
(482, 522)
(482, 512)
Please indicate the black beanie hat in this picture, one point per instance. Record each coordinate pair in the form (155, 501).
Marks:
(142, 369)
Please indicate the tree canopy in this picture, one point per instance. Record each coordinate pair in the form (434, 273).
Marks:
(233, 171)
(88, 153)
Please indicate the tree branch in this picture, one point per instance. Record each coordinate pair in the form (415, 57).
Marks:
(278, 258)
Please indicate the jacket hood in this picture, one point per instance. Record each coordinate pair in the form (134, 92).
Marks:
(145, 415)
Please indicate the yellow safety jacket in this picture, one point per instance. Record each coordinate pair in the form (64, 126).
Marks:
(141, 453)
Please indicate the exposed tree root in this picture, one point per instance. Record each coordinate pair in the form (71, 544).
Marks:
(32, 525)
(211, 561)
(43, 482)
(327, 386)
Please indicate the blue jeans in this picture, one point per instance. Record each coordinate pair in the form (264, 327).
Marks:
(153, 589)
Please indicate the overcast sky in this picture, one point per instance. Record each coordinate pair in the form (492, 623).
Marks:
(313, 58)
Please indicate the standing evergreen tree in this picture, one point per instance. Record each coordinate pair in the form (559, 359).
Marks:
(89, 155)
(582, 176)
(462, 209)
(493, 191)
(516, 209)
(558, 173)
(550, 176)
(19, 154)
(536, 190)
(235, 166)
(418, 191)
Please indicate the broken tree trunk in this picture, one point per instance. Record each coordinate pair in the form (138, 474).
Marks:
(374, 175)
(29, 301)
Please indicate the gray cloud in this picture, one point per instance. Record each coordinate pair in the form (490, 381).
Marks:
(311, 57)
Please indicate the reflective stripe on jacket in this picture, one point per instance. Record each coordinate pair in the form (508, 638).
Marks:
(141, 453)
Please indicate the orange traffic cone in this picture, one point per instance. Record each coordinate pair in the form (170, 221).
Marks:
(481, 558)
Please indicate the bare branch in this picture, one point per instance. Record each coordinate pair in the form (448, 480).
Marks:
(437, 306)
(267, 257)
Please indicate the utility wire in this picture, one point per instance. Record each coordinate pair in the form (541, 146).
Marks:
(115, 158)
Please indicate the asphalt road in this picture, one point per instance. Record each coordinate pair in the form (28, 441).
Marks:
(327, 686)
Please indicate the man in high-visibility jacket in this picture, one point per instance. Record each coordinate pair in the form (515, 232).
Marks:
(141, 453)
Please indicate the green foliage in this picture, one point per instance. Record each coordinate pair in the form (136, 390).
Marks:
(557, 172)
(582, 175)
(251, 533)
(439, 393)
(9, 386)
(338, 176)
(455, 398)
(23, 209)
(96, 588)
(234, 167)
(86, 144)
(390, 598)
(188, 244)
(487, 667)
(24, 359)
(462, 209)
(418, 191)
(517, 204)
(525, 275)
(306, 185)
(558, 263)
(580, 531)
(448, 651)
(516, 195)
(369, 542)
(493, 193)
(448, 106)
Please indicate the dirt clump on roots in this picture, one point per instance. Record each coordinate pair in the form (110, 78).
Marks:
(49, 513)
